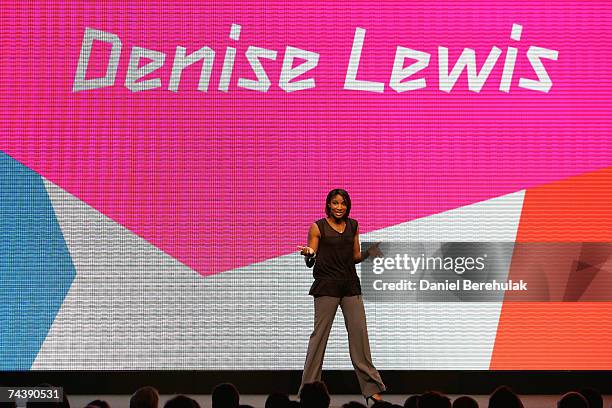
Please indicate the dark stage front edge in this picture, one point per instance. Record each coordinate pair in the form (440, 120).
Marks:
(338, 381)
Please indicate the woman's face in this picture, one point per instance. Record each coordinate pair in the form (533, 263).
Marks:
(337, 206)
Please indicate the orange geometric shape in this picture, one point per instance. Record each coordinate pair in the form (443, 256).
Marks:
(561, 335)
(578, 209)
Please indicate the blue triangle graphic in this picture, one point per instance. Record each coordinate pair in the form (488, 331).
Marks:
(36, 270)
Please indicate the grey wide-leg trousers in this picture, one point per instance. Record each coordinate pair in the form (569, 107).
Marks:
(359, 346)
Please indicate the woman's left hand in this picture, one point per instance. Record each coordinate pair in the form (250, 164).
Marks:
(375, 251)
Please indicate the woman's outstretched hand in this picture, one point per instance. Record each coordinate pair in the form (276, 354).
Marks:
(306, 251)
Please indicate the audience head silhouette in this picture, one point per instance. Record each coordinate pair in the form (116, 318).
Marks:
(145, 397)
(465, 402)
(181, 401)
(593, 397)
(225, 396)
(504, 397)
(412, 401)
(353, 404)
(433, 399)
(98, 404)
(572, 400)
(277, 400)
(314, 395)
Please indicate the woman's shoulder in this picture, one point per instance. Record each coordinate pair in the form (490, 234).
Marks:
(319, 223)
(323, 222)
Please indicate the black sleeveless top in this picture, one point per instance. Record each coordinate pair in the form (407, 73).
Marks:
(334, 270)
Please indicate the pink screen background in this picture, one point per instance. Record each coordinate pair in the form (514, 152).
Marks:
(221, 180)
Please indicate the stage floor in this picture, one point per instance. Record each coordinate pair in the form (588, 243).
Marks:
(258, 401)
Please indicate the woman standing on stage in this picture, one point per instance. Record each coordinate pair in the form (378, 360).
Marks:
(334, 249)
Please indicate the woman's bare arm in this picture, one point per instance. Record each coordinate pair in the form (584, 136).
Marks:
(358, 256)
(310, 251)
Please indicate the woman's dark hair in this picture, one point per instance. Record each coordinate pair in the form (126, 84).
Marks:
(332, 194)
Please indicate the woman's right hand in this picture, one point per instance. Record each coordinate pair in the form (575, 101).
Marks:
(306, 251)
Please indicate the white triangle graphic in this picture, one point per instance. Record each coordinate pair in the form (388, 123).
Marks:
(131, 306)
